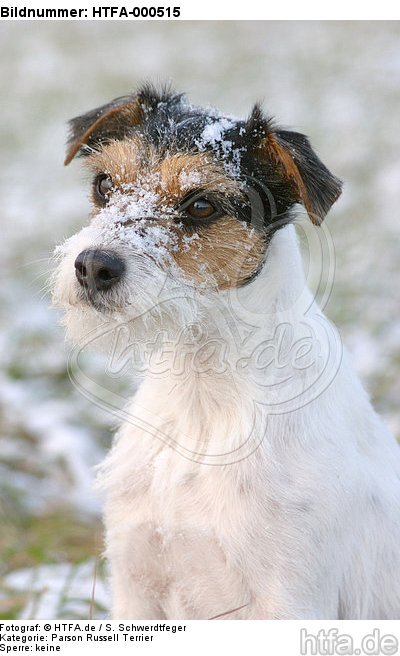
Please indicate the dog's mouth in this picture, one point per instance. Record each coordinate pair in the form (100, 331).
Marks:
(100, 302)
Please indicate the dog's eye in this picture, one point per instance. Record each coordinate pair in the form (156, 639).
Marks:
(201, 208)
(103, 187)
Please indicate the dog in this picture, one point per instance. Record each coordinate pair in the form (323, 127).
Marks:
(251, 478)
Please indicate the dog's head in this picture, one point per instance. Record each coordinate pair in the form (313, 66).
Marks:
(184, 199)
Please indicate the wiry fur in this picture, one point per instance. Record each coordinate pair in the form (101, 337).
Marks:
(262, 481)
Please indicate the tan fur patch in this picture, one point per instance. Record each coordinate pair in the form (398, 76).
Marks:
(173, 176)
(123, 161)
(227, 253)
(183, 172)
(284, 160)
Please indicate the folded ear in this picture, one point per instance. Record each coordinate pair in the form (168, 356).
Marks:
(111, 121)
(313, 184)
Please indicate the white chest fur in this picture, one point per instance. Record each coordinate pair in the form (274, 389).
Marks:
(248, 488)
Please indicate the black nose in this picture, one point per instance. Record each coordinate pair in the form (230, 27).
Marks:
(98, 270)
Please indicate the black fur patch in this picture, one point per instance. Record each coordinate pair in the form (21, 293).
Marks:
(323, 187)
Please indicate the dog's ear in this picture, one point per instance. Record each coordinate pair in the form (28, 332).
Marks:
(111, 121)
(291, 155)
(316, 187)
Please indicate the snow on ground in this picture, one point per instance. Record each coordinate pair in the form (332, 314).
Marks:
(337, 82)
(61, 590)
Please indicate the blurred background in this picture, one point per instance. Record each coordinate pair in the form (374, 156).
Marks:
(338, 82)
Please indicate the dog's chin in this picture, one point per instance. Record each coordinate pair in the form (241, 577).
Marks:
(94, 321)
(82, 322)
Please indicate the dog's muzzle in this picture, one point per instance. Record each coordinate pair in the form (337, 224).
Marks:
(98, 270)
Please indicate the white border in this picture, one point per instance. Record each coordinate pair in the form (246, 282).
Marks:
(224, 10)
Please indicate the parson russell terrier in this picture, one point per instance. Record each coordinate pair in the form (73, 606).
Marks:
(253, 481)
